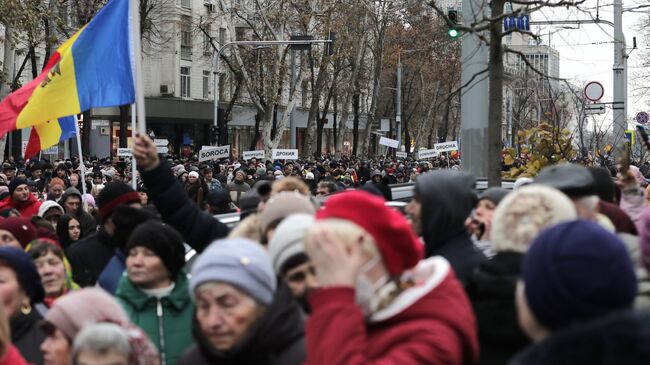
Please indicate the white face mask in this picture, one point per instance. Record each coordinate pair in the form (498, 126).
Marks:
(365, 290)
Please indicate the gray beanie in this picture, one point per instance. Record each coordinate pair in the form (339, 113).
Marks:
(288, 239)
(240, 262)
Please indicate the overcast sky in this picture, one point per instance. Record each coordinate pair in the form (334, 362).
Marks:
(587, 52)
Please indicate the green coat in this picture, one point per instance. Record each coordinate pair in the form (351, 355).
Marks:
(172, 315)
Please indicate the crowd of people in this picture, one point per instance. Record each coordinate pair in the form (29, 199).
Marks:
(319, 269)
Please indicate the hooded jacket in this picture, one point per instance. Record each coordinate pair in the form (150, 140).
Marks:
(447, 199)
(167, 321)
(382, 185)
(89, 256)
(429, 323)
(620, 338)
(86, 221)
(277, 338)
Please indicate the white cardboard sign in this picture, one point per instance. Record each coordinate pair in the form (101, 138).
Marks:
(248, 155)
(446, 146)
(213, 153)
(285, 154)
(401, 154)
(426, 154)
(124, 152)
(388, 142)
(54, 150)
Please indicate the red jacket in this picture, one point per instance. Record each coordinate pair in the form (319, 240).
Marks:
(430, 323)
(12, 357)
(27, 210)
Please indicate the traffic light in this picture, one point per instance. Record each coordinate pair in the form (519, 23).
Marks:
(453, 32)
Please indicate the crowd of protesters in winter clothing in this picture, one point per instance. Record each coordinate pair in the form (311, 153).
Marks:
(319, 270)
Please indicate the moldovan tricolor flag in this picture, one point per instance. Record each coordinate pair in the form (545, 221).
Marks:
(50, 133)
(91, 69)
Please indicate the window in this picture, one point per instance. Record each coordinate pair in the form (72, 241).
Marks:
(185, 82)
(207, 36)
(240, 33)
(206, 84)
(222, 86)
(186, 37)
(186, 4)
(222, 36)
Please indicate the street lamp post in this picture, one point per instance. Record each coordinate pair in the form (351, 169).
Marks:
(215, 121)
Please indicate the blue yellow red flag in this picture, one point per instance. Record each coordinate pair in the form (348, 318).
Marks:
(91, 69)
(48, 134)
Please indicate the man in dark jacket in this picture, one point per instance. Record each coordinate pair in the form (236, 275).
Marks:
(381, 184)
(89, 256)
(198, 228)
(442, 201)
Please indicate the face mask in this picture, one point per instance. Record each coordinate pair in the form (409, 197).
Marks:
(365, 290)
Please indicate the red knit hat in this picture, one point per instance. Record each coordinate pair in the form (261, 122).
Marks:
(21, 228)
(399, 247)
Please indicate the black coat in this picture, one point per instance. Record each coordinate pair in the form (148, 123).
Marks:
(277, 338)
(198, 228)
(89, 256)
(27, 336)
(620, 338)
(447, 199)
(491, 290)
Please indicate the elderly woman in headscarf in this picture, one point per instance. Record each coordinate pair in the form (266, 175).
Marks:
(53, 267)
(71, 313)
(20, 292)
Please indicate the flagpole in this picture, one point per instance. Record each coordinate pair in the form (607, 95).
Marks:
(134, 169)
(137, 63)
(82, 166)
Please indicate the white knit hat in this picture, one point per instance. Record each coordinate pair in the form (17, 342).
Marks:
(288, 239)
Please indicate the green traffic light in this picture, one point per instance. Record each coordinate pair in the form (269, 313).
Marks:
(453, 33)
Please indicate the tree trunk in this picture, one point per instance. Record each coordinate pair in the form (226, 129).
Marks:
(495, 112)
(355, 121)
(313, 122)
(256, 135)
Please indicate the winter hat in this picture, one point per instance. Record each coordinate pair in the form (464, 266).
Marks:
(126, 220)
(114, 194)
(575, 272)
(495, 195)
(400, 248)
(21, 228)
(194, 174)
(15, 182)
(56, 181)
(261, 172)
(283, 204)
(309, 176)
(89, 199)
(288, 240)
(605, 186)
(248, 203)
(523, 214)
(71, 312)
(23, 265)
(70, 192)
(571, 179)
(47, 205)
(237, 172)
(239, 262)
(163, 240)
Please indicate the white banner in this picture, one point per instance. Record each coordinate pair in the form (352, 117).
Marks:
(124, 152)
(388, 142)
(259, 154)
(285, 154)
(214, 153)
(161, 142)
(446, 146)
(426, 154)
(54, 150)
(401, 154)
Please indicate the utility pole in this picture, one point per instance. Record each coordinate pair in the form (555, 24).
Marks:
(474, 98)
(398, 104)
(619, 105)
(292, 118)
